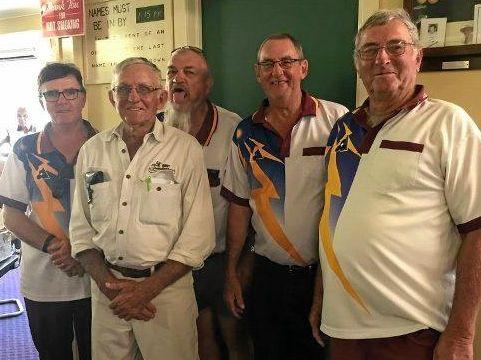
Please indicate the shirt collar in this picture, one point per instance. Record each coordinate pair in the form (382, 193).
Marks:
(209, 125)
(45, 145)
(157, 131)
(361, 113)
(308, 108)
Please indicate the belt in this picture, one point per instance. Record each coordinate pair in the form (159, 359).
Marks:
(292, 269)
(134, 273)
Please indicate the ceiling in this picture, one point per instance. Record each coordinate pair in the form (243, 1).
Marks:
(14, 8)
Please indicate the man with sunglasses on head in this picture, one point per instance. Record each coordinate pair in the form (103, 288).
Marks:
(275, 174)
(189, 109)
(401, 227)
(141, 221)
(35, 190)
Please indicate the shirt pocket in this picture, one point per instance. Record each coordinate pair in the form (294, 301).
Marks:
(395, 165)
(101, 204)
(161, 204)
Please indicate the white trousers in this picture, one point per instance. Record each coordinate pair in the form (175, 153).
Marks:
(170, 335)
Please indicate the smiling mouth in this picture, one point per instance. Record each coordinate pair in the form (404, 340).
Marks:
(278, 82)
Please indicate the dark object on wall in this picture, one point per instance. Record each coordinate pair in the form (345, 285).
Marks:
(232, 30)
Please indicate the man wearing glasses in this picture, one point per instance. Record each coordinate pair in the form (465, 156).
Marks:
(401, 227)
(189, 85)
(35, 190)
(141, 220)
(275, 174)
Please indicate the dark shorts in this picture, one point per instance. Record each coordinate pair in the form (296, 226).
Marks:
(418, 345)
(209, 284)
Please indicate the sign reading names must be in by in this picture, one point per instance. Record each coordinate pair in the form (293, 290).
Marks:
(115, 30)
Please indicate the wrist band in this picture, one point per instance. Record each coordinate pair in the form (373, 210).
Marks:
(47, 242)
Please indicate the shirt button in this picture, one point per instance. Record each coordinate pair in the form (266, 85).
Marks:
(124, 203)
(121, 232)
(123, 151)
(127, 176)
(120, 257)
(158, 188)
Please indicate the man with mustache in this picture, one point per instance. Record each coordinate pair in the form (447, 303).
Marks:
(276, 175)
(401, 227)
(189, 84)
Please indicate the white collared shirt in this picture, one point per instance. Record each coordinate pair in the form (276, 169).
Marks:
(154, 207)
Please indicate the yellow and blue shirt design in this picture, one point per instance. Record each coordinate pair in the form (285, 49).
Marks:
(342, 160)
(47, 178)
(281, 180)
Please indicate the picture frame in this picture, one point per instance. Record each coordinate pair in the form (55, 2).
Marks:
(461, 50)
(433, 32)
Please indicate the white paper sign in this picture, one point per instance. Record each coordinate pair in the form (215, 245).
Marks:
(477, 24)
(115, 30)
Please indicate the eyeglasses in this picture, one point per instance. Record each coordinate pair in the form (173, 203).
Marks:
(53, 95)
(123, 91)
(189, 47)
(285, 64)
(392, 47)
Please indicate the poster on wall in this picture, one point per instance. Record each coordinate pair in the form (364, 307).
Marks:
(62, 17)
(115, 30)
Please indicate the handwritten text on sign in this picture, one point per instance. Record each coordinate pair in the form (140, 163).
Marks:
(116, 30)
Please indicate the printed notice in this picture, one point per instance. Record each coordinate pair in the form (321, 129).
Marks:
(115, 30)
(62, 17)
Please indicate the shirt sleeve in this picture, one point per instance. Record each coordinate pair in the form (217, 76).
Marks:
(197, 234)
(81, 231)
(463, 173)
(13, 186)
(235, 187)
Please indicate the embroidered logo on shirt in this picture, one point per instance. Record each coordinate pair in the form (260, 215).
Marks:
(158, 166)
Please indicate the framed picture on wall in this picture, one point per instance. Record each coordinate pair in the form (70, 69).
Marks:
(433, 32)
(461, 47)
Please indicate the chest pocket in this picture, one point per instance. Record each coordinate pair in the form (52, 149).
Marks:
(394, 165)
(101, 204)
(161, 204)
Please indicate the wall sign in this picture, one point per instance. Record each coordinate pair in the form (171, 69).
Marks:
(62, 17)
(117, 29)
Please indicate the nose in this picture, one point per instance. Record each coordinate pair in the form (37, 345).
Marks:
(277, 69)
(62, 98)
(178, 77)
(382, 57)
(133, 95)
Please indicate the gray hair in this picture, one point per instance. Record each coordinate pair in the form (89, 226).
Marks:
(382, 17)
(198, 51)
(293, 40)
(131, 61)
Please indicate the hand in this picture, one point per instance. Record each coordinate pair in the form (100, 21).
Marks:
(315, 321)
(59, 250)
(233, 295)
(131, 300)
(71, 267)
(454, 347)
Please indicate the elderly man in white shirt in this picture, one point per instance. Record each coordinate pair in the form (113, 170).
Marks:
(141, 220)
